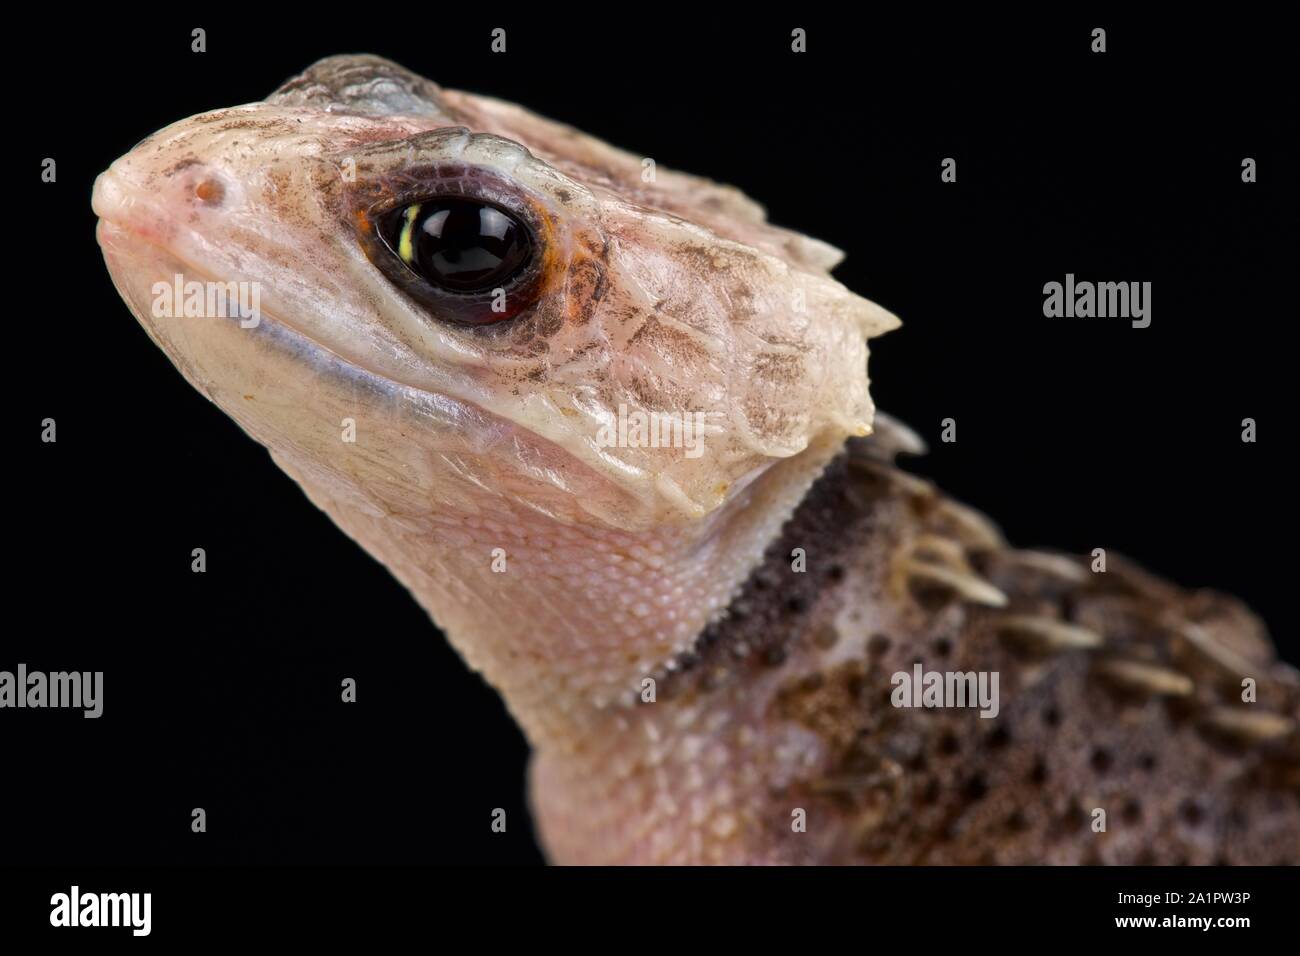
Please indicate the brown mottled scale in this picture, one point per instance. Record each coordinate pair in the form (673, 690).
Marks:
(1119, 691)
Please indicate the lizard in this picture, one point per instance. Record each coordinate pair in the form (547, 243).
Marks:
(613, 431)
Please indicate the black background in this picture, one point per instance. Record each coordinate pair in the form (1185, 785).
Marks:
(222, 689)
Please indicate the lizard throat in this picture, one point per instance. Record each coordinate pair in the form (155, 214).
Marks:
(567, 620)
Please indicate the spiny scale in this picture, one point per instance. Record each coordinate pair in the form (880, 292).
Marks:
(1120, 693)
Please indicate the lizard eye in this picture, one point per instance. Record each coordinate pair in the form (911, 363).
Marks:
(459, 245)
(466, 246)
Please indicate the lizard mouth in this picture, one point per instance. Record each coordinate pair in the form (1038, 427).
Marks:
(179, 301)
(141, 259)
(145, 270)
(137, 260)
(289, 390)
(275, 380)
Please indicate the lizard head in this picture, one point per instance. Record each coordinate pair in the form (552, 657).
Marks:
(422, 297)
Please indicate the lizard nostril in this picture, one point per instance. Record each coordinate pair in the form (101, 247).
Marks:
(210, 191)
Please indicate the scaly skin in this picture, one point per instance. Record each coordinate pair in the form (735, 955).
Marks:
(688, 692)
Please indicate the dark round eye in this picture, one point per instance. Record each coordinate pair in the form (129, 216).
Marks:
(460, 245)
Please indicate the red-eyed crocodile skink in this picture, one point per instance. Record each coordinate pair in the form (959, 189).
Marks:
(612, 429)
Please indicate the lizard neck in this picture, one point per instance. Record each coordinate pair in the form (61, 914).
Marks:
(567, 620)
